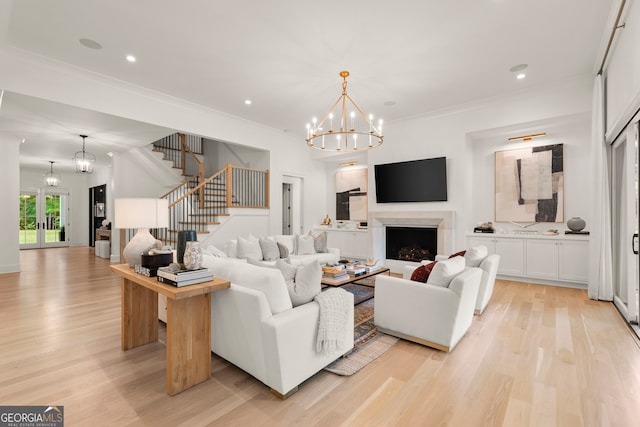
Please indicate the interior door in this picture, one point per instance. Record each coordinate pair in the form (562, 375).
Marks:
(624, 162)
(43, 218)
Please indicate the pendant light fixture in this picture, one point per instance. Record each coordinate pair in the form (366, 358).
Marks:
(51, 179)
(83, 160)
(345, 127)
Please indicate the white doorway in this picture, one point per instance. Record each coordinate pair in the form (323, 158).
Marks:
(292, 204)
(44, 217)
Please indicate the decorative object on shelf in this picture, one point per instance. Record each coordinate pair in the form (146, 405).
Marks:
(193, 256)
(529, 184)
(484, 227)
(142, 214)
(576, 224)
(51, 179)
(84, 160)
(326, 220)
(106, 224)
(344, 137)
(184, 236)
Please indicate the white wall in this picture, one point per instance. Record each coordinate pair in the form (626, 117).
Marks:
(623, 73)
(450, 134)
(10, 212)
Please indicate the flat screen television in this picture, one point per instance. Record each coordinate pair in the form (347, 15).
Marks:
(412, 181)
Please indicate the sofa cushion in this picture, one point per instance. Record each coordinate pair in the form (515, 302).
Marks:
(305, 245)
(249, 247)
(231, 248)
(288, 271)
(475, 255)
(288, 240)
(320, 242)
(421, 274)
(444, 271)
(269, 248)
(266, 280)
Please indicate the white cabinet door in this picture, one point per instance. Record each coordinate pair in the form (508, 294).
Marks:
(354, 244)
(542, 259)
(574, 261)
(511, 253)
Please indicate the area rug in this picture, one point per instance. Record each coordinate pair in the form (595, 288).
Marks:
(368, 344)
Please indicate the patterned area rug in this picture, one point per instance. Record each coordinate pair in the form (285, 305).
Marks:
(368, 345)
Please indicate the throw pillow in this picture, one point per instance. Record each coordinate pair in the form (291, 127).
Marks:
(305, 245)
(320, 242)
(421, 274)
(253, 261)
(288, 240)
(444, 271)
(475, 256)
(216, 252)
(249, 248)
(269, 248)
(283, 249)
(306, 284)
(461, 253)
(288, 271)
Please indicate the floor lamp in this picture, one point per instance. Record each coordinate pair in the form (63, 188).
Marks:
(142, 214)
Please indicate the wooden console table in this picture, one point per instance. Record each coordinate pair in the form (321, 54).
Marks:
(188, 324)
(103, 234)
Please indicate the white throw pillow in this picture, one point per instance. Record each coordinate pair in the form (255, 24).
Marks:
(305, 245)
(269, 248)
(306, 285)
(444, 271)
(215, 252)
(231, 248)
(474, 256)
(249, 248)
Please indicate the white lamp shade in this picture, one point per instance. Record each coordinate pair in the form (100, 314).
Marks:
(141, 213)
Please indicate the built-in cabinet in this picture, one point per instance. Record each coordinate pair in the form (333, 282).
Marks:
(548, 258)
(352, 242)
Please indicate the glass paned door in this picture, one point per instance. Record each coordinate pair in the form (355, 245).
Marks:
(43, 218)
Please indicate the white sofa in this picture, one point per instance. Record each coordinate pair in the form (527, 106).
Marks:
(255, 327)
(431, 315)
(296, 256)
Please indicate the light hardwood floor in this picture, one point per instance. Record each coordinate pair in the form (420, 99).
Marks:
(539, 356)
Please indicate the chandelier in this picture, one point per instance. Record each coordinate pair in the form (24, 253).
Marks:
(353, 132)
(83, 160)
(51, 179)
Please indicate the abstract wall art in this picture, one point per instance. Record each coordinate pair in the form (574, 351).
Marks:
(351, 195)
(529, 184)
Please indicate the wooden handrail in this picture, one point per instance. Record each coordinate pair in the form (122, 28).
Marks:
(194, 189)
(183, 182)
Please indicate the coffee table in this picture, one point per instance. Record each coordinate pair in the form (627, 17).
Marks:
(352, 279)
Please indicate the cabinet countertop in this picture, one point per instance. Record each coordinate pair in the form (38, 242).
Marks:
(560, 236)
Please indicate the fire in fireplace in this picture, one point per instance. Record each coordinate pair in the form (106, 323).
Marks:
(411, 243)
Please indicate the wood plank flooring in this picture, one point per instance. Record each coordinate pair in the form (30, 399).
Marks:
(538, 356)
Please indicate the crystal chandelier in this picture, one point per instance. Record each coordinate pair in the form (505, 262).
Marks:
(51, 179)
(83, 160)
(353, 132)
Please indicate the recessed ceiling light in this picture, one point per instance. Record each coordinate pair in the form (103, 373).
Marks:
(390, 103)
(131, 58)
(23, 140)
(91, 44)
(521, 76)
(247, 102)
(110, 154)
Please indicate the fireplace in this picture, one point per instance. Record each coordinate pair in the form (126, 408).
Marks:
(411, 243)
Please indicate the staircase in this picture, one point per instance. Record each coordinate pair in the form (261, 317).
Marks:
(200, 203)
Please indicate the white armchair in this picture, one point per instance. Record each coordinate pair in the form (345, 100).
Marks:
(431, 315)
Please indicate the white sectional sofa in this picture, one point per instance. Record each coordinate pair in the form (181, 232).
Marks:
(255, 326)
(300, 249)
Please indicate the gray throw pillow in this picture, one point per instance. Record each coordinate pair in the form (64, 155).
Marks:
(287, 270)
(283, 249)
(270, 251)
(306, 285)
(320, 242)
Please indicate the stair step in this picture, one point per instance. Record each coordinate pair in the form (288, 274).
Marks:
(197, 232)
(198, 223)
(206, 214)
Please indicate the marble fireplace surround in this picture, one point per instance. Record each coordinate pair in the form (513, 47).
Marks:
(378, 221)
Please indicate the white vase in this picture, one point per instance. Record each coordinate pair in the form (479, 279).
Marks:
(192, 256)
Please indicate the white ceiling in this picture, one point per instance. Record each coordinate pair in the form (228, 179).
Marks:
(285, 55)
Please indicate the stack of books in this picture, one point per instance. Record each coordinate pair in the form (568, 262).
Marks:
(370, 268)
(183, 277)
(356, 270)
(336, 273)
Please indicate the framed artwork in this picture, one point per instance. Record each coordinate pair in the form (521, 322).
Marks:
(351, 195)
(529, 184)
(99, 210)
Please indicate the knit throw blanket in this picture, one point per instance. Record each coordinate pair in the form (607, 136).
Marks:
(334, 306)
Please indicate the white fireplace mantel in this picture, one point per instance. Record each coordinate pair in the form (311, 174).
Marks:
(442, 220)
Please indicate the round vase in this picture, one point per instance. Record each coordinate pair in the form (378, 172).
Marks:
(576, 224)
(192, 256)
